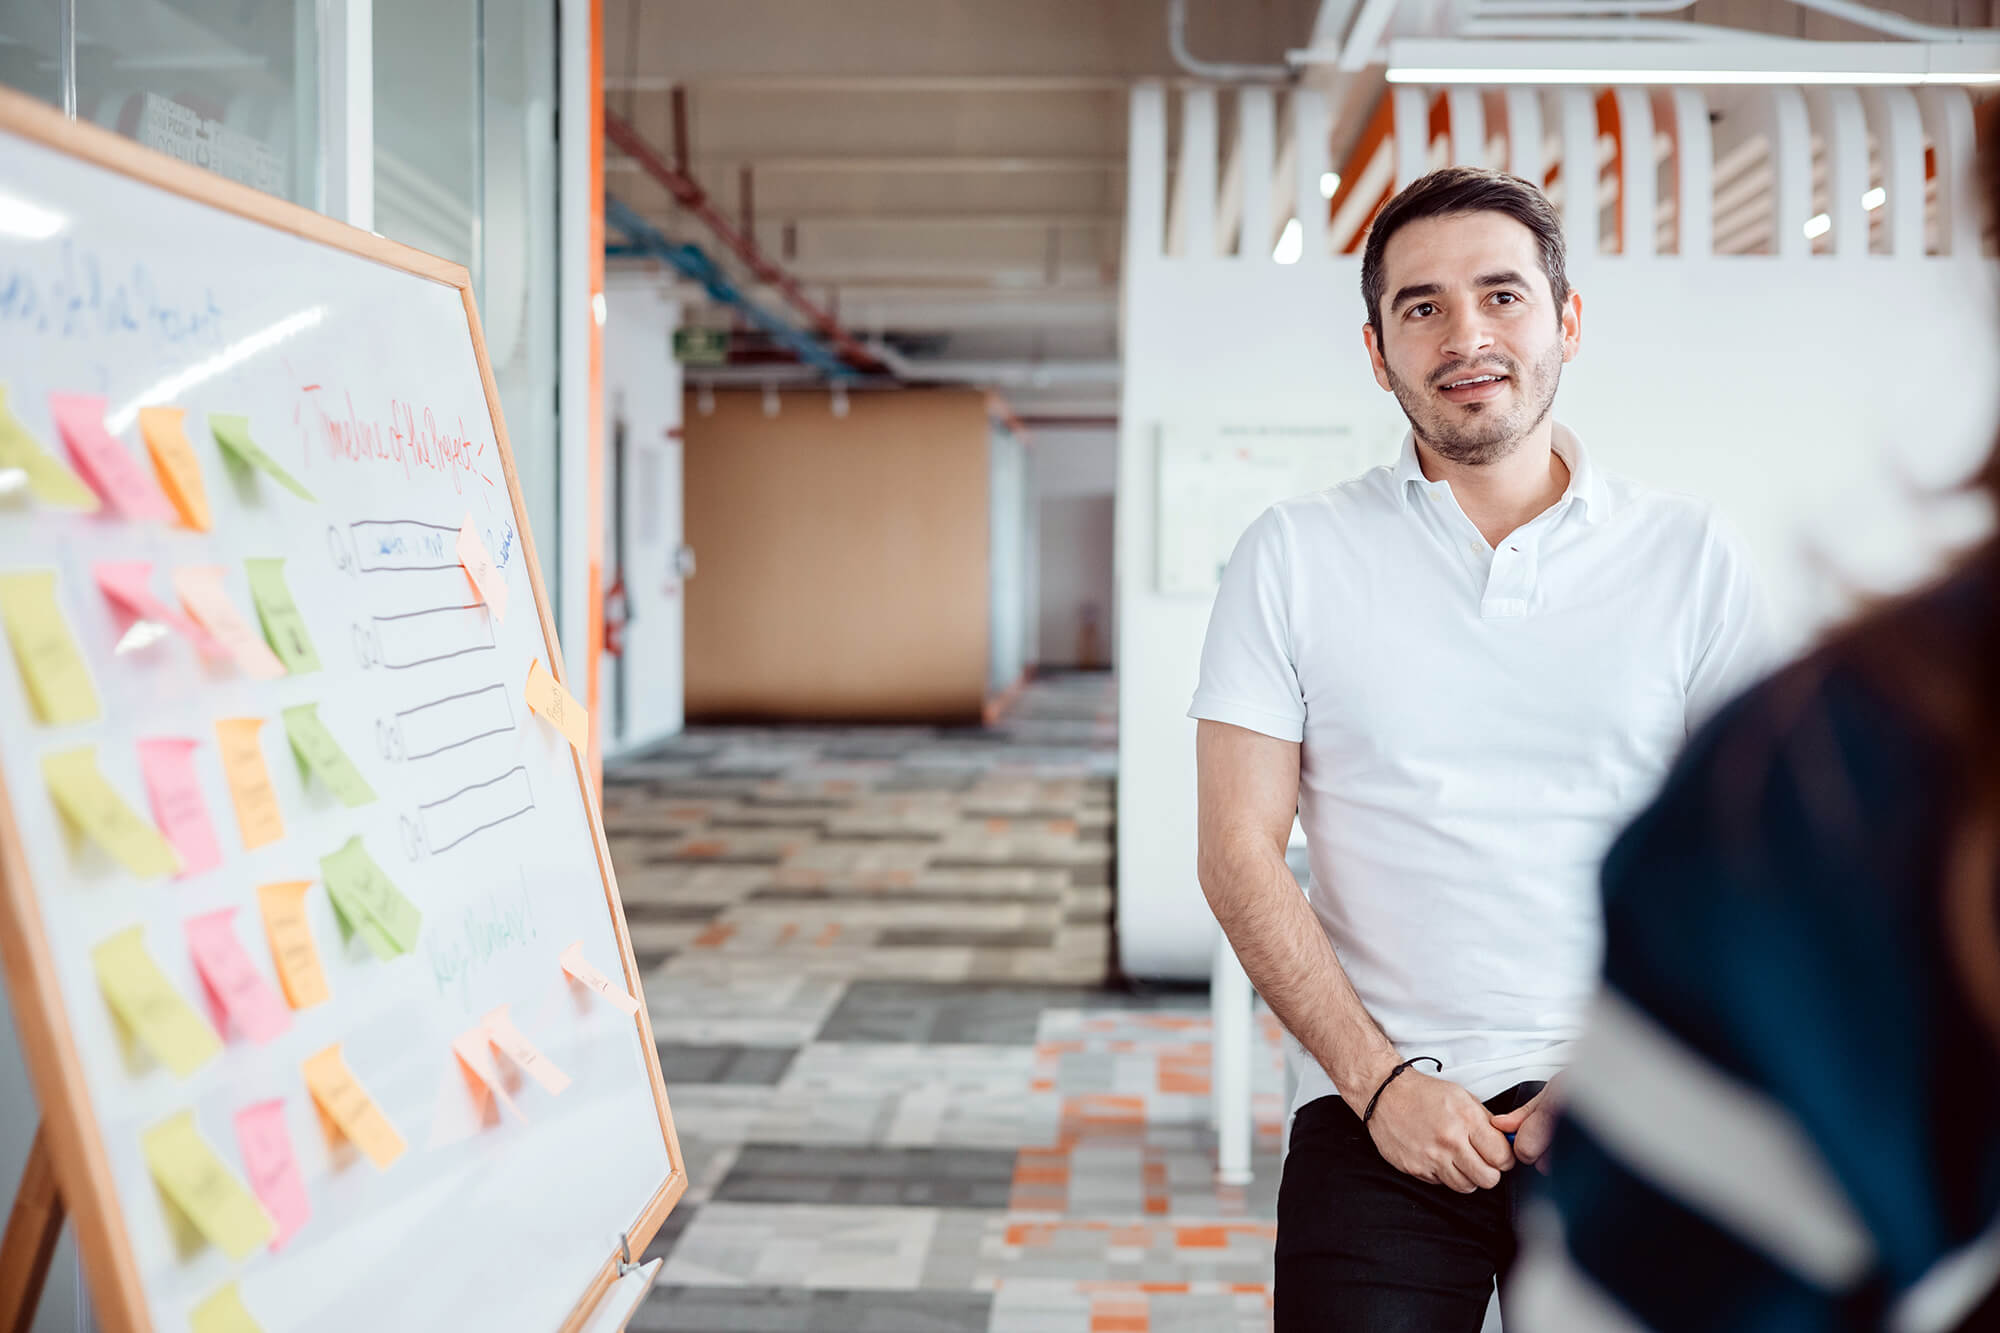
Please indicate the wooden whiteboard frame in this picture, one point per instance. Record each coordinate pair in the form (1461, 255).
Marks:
(83, 1171)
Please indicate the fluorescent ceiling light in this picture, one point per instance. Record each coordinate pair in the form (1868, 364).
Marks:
(1692, 77)
(1329, 184)
(28, 222)
(1291, 244)
(1874, 199)
(1817, 226)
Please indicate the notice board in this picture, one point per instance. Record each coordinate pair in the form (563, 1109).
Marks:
(305, 907)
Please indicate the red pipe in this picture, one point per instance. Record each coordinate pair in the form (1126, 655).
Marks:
(689, 195)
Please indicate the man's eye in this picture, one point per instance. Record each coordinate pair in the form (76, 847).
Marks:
(1508, 297)
(1422, 310)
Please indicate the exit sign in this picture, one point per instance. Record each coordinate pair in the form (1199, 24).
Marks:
(701, 347)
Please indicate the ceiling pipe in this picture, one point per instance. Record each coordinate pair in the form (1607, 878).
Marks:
(689, 195)
(1209, 69)
(1015, 374)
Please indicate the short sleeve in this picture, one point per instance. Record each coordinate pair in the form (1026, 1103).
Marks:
(1736, 647)
(1248, 678)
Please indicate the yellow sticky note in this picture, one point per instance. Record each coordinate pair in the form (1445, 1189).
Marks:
(141, 995)
(174, 461)
(51, 664)
(557, 706)
(257, 813)
(349, 1106)
(190, 1173)
(223, 1312)
(95, 807)
(292, 947)
(48, 476)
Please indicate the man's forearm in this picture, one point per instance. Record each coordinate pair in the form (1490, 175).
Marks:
(1280, 943)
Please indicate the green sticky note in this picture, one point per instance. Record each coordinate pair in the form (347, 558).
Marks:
(320, 752)
(232, 432)
(284, 626)
(378, 944)
(359, 887)
(48, 476)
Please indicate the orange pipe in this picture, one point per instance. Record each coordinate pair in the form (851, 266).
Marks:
(1608, 123)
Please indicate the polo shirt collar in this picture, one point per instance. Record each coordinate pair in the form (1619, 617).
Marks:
(1586, 483)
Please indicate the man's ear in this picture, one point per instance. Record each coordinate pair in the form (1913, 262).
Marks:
(1572, 326)
(1381, 367)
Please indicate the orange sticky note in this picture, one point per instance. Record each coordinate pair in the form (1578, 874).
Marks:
(257, 813)
(251, 1002)
(292, 947)
(349, 1106)
(475, 1049)
(128, 583)
(200, 590)
(480, 568)
(574, 963)
(557, 706)
(174, 461)
(500, 1030)
(105, 463)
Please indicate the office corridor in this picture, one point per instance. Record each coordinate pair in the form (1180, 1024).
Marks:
(877, 962)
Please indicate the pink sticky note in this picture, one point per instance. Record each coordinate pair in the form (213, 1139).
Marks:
(126, 583)
(200, 590)
(500, 1030)
(106, 464)
(272, 1168)
(178, 808)
(480, 568)
(574, 963)
(251, 1002)
(475, 1049)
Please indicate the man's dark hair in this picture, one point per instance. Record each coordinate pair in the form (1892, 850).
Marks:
(1452, 192)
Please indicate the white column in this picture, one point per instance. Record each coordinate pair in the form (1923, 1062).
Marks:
(1191, 229)
(565, 553)
(1231, 1041)
(1638, 173)
(1899, 135)
(1694, 169)
(347, 110)
(1579, 170)
(1146, 174)
(1311, 158)
(1790, 136)
(1524, 135)
(1256, 131)
(1411, 134)
(1843, 132)
(1467, 112)
(1947, 114)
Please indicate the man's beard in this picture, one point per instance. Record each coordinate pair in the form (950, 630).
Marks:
(1477, 434)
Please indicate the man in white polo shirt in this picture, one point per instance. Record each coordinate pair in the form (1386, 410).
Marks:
(1465, 671)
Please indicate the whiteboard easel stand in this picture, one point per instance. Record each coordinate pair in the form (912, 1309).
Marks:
(33, 1227)
(68, 1172)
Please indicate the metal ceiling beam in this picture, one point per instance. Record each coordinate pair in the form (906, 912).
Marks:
(927, 165)
(847, 84)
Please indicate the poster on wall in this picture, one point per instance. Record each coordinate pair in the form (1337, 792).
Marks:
(1215, 480)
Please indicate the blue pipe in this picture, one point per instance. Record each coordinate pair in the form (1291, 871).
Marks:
(691, 261)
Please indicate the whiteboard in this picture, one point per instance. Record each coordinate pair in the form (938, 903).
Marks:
(1215, 480)
(366, 382)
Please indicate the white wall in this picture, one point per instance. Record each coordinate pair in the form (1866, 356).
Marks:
(1076, 472)
(642, 389)
(1812, 399)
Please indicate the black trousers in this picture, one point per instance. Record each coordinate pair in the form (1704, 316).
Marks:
(1363, 1248)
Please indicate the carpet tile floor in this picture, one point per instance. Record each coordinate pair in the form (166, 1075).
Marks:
(878, 964)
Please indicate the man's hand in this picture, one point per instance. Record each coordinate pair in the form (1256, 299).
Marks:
(1438, 1132)
(1532, 1125)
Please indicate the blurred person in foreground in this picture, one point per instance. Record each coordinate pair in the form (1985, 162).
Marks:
(1786, 1112)
(1465, 671)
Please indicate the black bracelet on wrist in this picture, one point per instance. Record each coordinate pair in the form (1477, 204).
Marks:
(1394, 1074)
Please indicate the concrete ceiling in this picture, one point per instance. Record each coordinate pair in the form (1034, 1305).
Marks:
(948, 175)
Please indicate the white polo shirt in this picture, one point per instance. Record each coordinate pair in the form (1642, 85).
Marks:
(1476, 724)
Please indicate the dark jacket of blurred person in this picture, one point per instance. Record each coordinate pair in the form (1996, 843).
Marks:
(1787, 1114)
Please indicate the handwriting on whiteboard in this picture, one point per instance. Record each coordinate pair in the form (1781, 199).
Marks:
(482, 932)
(412, 438)
(86, 298)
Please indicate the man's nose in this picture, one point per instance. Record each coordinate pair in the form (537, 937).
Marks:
(1467, 333)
